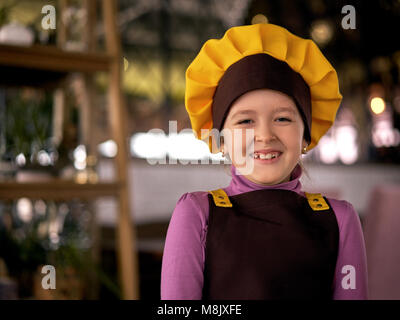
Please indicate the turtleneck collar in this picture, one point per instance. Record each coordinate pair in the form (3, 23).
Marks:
(240, 184)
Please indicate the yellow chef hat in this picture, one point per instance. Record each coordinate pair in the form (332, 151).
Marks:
(267, 56)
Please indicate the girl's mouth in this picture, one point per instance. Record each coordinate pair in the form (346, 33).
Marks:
(266, 158)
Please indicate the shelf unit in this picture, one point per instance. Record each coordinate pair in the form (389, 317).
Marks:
(43, 66)
(52, 58)
(57, 190)
(46, 66)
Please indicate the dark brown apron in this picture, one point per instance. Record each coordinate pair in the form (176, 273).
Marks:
(270, 244)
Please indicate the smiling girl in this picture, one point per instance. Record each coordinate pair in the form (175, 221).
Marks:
(278, 131)
(266, 96)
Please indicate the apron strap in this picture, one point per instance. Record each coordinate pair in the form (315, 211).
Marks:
(316, 201)
(220, 197)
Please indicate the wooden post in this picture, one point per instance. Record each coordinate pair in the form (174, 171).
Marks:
(127, 254)
(87, 110)
(59, 107)
(89, 129)
(62, 31)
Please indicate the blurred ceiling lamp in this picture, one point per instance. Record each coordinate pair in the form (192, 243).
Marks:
(20, 159)
(182, 146)
(377, 105)
(259, 18)
(328, 151)
(321, 31)
(346, 138)
(384, 135)
(80, 157)
(25, 209)
(44, 158)
(185, 146)
(108, 148)
(149, 145)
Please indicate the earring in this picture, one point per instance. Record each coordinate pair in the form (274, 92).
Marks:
(305, 150)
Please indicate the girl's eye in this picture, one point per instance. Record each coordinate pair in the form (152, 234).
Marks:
(244, 121)
(248, 120)
(285, 119)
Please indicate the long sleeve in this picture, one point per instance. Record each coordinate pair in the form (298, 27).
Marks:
(351, 281)
(183, 261)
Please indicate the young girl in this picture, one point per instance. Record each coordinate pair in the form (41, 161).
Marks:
(262, 237)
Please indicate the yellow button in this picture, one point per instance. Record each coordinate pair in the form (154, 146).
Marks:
(316, 201)
(220, 197)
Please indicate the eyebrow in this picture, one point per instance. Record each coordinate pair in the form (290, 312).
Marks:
(276, 110)
(243, 112)
(281, 109)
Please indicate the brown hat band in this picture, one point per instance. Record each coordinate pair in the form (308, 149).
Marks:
(261, 71)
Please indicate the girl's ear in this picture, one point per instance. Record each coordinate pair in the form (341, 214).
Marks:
(304, 146)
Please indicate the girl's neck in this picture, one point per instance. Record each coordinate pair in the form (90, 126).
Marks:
(240, 184)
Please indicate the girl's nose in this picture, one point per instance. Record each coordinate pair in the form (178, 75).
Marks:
(264, 133)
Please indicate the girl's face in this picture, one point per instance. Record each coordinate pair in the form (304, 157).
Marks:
(277, 125)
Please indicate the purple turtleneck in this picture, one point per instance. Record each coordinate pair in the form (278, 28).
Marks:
(184, 250)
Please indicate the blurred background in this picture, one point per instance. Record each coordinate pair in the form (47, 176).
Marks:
(92, 157)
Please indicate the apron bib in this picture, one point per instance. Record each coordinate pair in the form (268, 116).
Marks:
(270, 244)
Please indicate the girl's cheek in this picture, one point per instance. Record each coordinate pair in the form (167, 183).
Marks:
(237, 146)
(240, 140)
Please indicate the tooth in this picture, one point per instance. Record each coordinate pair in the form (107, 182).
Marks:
(265, 156)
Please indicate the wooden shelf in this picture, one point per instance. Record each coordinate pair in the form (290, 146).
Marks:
(51, 58)
(45, 66)
(57, 190)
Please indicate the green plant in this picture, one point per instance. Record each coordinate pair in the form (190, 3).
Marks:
(81, 260)
(57, 236)
(28, 126)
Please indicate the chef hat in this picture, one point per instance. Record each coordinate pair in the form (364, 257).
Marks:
(260, 56)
